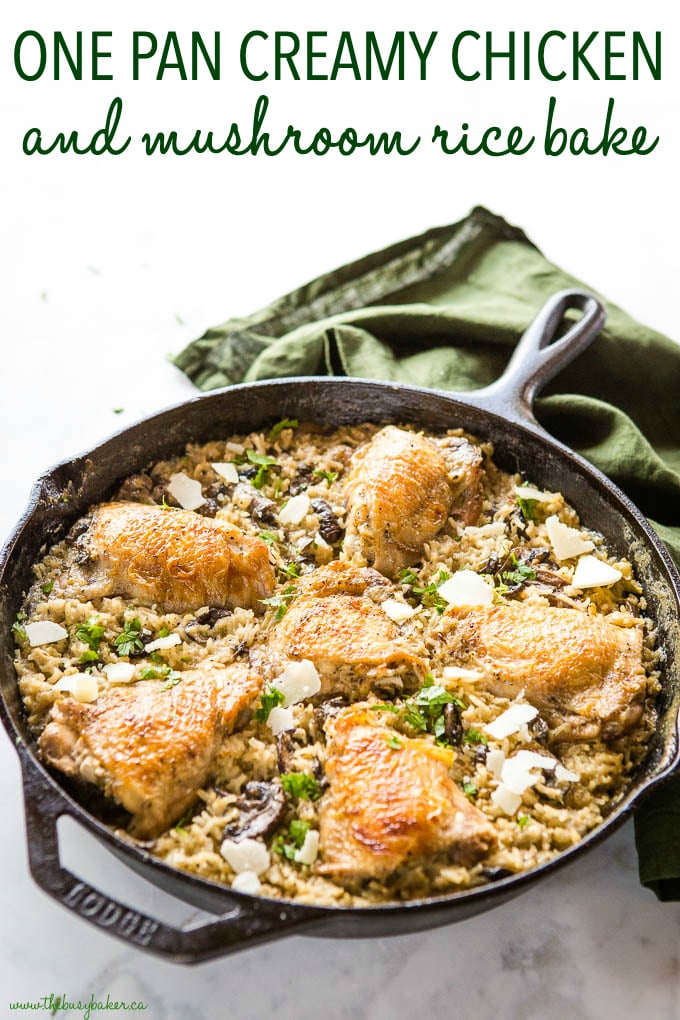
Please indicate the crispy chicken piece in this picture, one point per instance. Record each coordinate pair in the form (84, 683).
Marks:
(148, 748)
(356, 648)
(401, 489)
(173, 557)
(584, 674)
(392, 805)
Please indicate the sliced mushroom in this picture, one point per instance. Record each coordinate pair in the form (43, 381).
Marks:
(302, 480)
(326, 710)
(285, 750)
(453, 728)
(261, 808)
(329, 528)
(257, 505)
(137, 489)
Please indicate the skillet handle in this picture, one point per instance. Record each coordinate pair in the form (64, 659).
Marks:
(538, 357)
(249, 921)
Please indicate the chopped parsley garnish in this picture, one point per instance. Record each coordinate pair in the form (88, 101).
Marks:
(268, 537)
(470, 790)
(172, 681)
(280, 601)
(263, 463)
(89, 656)
(286, 843)
(117, 410)
(394, 742)
(269, 699)
(527, 507)
(300, 786)
(425, 710)
(160, 672)
(130, 640)
(91, 634)
(47, 587)
(18, 628)
(428, 594)
(163, 632)
(473, 736)
(330, 476)
(184, 820)
(290, 569)
(286, 423)
(383, 708)
(523, 821)
(519, 573)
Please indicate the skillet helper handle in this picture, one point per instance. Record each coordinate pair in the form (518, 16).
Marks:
(539, 357)
(248, 922)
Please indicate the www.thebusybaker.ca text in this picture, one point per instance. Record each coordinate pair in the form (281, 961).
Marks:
(55, 1003)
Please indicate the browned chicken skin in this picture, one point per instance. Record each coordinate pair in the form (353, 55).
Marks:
(584, 674)
(148, 748)
(401, 489)
(392, 805)
(349, 638)
(175, 558)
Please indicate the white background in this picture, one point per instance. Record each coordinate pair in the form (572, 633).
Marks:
(111, 263)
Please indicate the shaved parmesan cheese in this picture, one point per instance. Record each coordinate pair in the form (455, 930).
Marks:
(308, 851)
(320, 541)
(82, 686)
(169, 641)
(466, 588)
(506, 800)
(470, 676)
(246, 882)
(524, 770)
(298, 681)
(397, 611)
(296, 509)
(186, 491)
(44, 632)
(304, 542)
(593, 573)
(226, 471)
(280, 720)
(567, 542)
(529, 492)
(563, 775)
(494, 762)
(246, 855)
(510, 721)
(120, 672)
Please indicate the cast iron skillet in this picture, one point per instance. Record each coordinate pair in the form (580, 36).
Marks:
(502, 413)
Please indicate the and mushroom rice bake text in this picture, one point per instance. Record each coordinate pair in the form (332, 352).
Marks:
(340, 667)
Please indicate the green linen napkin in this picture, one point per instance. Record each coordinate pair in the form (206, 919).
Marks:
(444, 310)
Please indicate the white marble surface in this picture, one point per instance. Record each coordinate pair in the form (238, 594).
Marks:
(112, 264)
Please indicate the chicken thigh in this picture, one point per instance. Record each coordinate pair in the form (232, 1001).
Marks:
(584, 674)
(391, 802)
(175, 558)
(351, 640)
(147, 746)
(401, 489)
